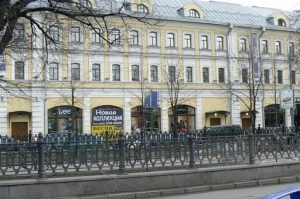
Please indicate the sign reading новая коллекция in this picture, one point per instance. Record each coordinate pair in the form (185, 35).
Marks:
(107, 119)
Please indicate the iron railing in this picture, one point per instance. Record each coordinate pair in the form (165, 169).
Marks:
(38, 155)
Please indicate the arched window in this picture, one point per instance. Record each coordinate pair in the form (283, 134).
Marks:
(172, 74)
(135, 71)
(220, 43)
(170, 40)
(116, 72)
(141, 8)
(96, 72)
(194, 13)
(134, 37)
(85, 4)
(19, 70)
(154, 73)
(189, 74)
(54, 33)
(243, 44)
(281, 22)
(115, 36)
(205, 74)
(187, 41)
(274, 115)
(53, 71)
(75, 71)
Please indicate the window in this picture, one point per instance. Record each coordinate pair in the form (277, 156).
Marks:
(245, 75)
(153, 38)
(221, 75)
(187, 41)
(135, 71)
(115, 36)
(278, 47)
(265, 48)
(220, 43)
(279, 76)
(20, 31)
(291, 48)
(170, 40)
(293, 77)
(75, 71)
(267, 76)
(116, 72)
(205, 74)
(96, 72)
(154, 73)
(194, 13)
(134, 37)
(19, 71)
(204, 41)
(243, 45)
(281, 22)
(189, 74)
(75, 34)
(85, 3)
(172, 73)
(54, 33)
(141, 8)
(53, 71)
(96, 35)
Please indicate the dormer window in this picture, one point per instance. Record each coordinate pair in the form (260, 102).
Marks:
(194, 13)
(281, 22)
(141, 8)
(85, 3)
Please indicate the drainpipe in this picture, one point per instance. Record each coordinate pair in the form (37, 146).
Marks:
(230, 27)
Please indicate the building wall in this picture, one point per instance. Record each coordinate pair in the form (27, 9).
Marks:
(205, 97)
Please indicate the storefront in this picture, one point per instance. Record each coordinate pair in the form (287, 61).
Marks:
(141, 118)
(61, 120)
(185, 117)
(216, 118)
(20, 123)
(107, 119)
(274, 116)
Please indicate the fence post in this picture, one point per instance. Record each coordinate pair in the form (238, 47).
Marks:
(30, 136)
(121, 143)
(41, 155)
(192, 150)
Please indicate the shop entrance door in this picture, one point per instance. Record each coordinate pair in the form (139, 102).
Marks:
(215, 121)
(246, 123)
(19, 130)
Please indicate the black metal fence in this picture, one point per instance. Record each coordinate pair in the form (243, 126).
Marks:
(38, 155)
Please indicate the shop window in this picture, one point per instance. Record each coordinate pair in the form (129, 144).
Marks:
(185, 118)
(274, 115)
(62, 120)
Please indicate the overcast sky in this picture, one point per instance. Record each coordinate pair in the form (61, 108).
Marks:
(281, 4)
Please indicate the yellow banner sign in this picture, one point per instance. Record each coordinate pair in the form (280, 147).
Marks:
(100, 130)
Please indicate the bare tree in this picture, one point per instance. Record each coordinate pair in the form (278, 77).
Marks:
(93, 16)
(177, 90)
(251, 86)
(72, 93)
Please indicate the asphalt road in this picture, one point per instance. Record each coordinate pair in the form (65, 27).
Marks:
(242, 193)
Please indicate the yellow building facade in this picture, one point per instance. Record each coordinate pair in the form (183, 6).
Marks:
(208, 47)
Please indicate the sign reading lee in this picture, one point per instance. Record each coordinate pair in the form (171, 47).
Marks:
(107, 119)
